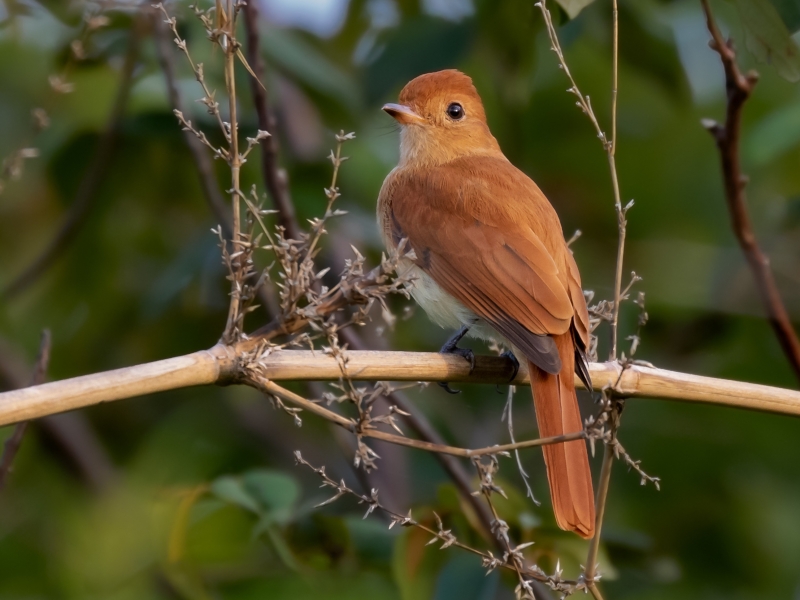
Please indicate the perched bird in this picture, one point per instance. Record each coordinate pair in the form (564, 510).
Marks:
(489, 258)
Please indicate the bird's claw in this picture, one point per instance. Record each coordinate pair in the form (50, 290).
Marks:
(466, 353)
(446, 387)
(514, 364)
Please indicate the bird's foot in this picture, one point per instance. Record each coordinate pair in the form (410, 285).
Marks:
(514, 365)
(451, 347)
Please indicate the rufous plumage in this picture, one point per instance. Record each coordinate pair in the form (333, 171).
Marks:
(489, 253)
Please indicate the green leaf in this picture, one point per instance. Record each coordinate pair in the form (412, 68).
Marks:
(789, 11)
(270, 494)
(231, 489)
(464, 578)
(266, 526)
(415, 565)
(768, 38)
(275, 492)
(305, 63)
(774, 135)
(574, 7)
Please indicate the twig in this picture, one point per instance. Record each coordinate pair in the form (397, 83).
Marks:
(727, 136)
(276, 182)
(590, 572)
(92, 179)
(610, 147)
(230, 45)
(490, 562)
(422, 427)
(13, 443)
(200, 158)
(205, 169)
(272, 388)
(275, 178)
(71, 432)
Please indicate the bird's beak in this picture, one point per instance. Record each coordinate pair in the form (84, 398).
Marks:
(403, 114)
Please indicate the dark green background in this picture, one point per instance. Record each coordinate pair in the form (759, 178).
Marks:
(143, 281)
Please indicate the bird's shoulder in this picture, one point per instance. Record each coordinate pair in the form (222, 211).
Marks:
(484, 186)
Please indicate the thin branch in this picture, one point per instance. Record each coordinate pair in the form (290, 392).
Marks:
(727, 136)
(610, 147)
(510, 561)
(70, 432)
(422, 427)
(220, 365)
(200, 158)
(590, 573)
(93, 177)
(273, 389)
(230, 45)
(13, 443)
(202, 161)
(275, 178)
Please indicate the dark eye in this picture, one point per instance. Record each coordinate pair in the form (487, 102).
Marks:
(455, 111)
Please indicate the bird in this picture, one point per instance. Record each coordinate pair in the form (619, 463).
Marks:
(486, 255)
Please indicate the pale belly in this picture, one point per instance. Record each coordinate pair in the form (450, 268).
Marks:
(441, 307)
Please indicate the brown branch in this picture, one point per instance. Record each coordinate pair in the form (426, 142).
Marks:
(221, 365)
(275, 178)
(92, 179)
(609, 454)
(272, 388)
(739, 87)
(12, 445)
(71, 432)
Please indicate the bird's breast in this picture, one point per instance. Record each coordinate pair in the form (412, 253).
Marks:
(441, 307)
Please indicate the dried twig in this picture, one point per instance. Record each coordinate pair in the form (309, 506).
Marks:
(511, 559)
(739, 87)
(610, 313)
(609, 145)
(270, 387)
(205, 169)
(13, 443)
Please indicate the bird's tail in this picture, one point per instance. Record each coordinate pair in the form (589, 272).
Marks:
(567, 463)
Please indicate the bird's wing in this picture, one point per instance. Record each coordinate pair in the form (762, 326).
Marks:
(477, 229)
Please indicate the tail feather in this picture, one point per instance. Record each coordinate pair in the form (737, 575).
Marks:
(567, 463)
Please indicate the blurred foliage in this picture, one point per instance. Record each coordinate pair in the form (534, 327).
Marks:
(205, 501)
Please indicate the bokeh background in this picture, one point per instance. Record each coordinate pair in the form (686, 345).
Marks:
(194, 493)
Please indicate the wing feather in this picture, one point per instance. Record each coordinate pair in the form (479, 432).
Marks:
(484, 232)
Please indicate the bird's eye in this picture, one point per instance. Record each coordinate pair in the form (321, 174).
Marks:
(455, 111)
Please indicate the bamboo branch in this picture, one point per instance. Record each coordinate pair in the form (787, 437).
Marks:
(727, 136)
(219, 365)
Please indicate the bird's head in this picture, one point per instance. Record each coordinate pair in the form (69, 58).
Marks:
(441, 118)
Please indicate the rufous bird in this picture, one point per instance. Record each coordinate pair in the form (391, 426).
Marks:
(489, 258)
